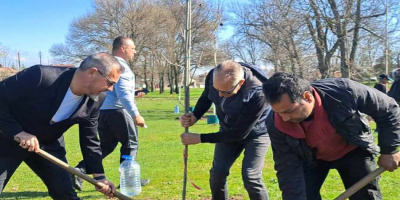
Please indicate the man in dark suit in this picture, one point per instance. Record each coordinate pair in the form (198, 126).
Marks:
(39, 104)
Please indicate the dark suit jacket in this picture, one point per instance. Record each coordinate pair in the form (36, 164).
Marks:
(29, 100)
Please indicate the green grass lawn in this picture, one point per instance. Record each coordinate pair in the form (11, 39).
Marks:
(160, 157)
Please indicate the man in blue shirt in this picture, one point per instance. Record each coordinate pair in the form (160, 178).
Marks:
(119, 114)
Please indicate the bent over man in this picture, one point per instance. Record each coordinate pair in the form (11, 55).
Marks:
(40, 103)
(320, 126)
(236, 90)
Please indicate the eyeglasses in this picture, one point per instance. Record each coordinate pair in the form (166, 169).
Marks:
(230, 91)
(110, 83)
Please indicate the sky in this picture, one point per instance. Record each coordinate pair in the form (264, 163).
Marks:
(30, 26)
(33, 26)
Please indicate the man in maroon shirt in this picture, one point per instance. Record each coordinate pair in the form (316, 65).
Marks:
(319, 126)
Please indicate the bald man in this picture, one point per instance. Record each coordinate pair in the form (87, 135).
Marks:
(236, 90)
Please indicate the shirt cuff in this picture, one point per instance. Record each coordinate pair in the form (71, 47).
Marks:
(136, 113)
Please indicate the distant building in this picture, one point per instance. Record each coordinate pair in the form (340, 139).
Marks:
(202, 80)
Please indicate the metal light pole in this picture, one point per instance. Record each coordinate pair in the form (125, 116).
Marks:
(40, 57)
(186, 79)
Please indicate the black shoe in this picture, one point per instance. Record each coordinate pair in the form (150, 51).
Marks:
(76, 181)
(144, 182)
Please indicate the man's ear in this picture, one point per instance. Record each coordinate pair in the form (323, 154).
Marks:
(308, 96)
(122, 48)
(92, 71)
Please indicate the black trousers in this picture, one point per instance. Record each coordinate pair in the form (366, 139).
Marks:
(116, 126)
(56, 179)
(225, 155)
(352, 167)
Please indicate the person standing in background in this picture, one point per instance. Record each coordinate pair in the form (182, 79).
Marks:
(119, 114)
(381, 85)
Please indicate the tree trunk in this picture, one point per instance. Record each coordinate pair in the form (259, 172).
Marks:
(355, 34)
(171, 80)
(152, 82)
(341, 34)
(176, 79)
(145, 71)
(161, 84)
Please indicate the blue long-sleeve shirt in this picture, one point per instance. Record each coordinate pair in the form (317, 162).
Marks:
(123, 95)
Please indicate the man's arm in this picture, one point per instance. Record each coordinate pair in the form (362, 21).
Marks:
(386, 113)
(91, 151)
(14, 90)
(384, 110)
(203, 104)
(249, 115)
(287, 164)
(126, 95)
(90, 144)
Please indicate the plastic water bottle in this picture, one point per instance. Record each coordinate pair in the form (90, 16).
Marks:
(130, 177)
(176, 109)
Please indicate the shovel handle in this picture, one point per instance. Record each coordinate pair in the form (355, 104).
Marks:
(360, 184)
(76, 172)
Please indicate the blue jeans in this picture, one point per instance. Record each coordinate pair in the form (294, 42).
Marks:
(225, 155)
(352, 167)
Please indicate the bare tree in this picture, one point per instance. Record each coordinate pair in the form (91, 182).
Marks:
(290, 27)
(5, 58)
(248, 50)
(156, 27)
(275, 24)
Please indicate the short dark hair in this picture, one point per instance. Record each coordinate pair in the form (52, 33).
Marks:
(118, 42)
(383, 76)
(285, 83)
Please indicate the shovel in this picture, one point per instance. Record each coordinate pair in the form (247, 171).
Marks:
(76, 172)
(360, 184)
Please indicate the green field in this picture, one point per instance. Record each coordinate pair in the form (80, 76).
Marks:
(160, 157)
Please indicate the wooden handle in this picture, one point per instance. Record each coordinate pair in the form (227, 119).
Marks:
(74, 171)
(360, 184)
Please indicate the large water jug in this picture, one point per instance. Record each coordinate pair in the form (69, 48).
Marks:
(130, 177)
